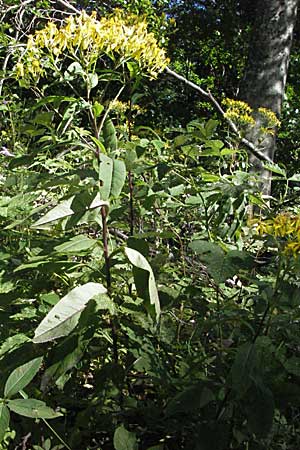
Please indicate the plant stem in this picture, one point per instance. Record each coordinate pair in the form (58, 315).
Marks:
(105, 246)
(131, 211)
(108, 280)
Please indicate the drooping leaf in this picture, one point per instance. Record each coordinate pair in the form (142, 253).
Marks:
(124, 440)
(64, 316)
(139, 261)
(4, 420)
(21, 377)
(33, 408)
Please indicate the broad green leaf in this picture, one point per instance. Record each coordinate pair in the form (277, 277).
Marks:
(76, 244)
(66, 208)
(21, 377)
(275, 168)
(112, 175)
(109, 134)
(64, 316)
(33, 408)
(12, 343)
(105, 175)
(4, 420)
(97, 109)
(118, 178)
(139, 261)
(210, 127)
(92, 80)
(124, 440)
(221, 266)
(295, 177)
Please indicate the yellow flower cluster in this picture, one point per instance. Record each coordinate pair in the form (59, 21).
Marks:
(86, 39)
(239, 112)
(122, 107)
(284, 225)
(270, 120)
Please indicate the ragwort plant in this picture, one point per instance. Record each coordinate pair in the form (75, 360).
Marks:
(197, 350)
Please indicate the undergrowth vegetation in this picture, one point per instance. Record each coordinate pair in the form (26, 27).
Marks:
(141, 305)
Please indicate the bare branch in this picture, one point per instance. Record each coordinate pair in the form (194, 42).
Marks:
(69, 6)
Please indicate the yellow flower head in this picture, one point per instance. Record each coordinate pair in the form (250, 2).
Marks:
(284, 226)
(87, 39)
(269, 119)
(239, 112)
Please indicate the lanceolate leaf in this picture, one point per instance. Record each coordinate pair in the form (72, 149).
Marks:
(33, 408)
(118, 179)
(109, 134)
(64, 316)
(75, 245)
(21, 377)
(112, 175)
(4, 420)
(105, 175)
(78, 204)
(139, 261)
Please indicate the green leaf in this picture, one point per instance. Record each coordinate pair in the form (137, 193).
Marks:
(112, 175)
(118, 179)
(221, 266)
(73, 205)
(295, 177)
(76, 244)
(105, 175)
(139, 261)
(21, 377)
(97, 109)
(92, 80)
(124, 440)
(109, 134)
(64, 316)
(210, 127)
(4, 420)
(190, 400)
(292, 366)
(243, 367)
(260, 410)
(33, 408)
(275, 168)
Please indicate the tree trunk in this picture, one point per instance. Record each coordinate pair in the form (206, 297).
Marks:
(266, 72)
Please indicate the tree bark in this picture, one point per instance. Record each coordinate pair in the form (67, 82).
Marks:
(266, 72)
